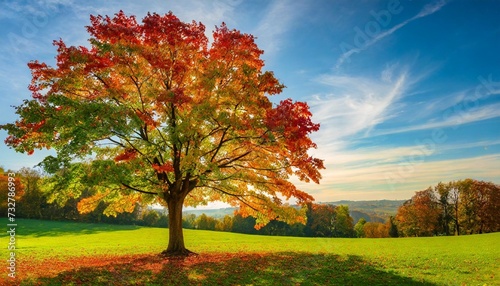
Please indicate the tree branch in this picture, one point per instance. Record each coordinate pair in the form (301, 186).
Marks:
(234, 159)
(220, 143)
(238, 197)
(138, 190)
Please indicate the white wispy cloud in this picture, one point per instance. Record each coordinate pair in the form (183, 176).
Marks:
(399, 180)
(277, 20)
(450, 118)
(426, 11)
(210, 13)
(357, 104)
(353, 110)
(462, 146)
(340, 157)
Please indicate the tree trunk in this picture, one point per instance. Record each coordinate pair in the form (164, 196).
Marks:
(176, 237)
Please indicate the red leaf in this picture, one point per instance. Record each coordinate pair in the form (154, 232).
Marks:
(167, 167)
(127, 155)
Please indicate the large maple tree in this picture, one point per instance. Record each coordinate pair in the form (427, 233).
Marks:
(152, 112)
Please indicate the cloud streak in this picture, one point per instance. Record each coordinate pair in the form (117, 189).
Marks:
(356, 105)
(352, 107)
(450, 118)
(277, 21)
(426, 11)
(352, 111)
(396, 181)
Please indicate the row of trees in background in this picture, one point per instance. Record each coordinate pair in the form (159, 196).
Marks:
(323, 220)
(34, 201)
(461, 207)
(456, 208)
(376, 229)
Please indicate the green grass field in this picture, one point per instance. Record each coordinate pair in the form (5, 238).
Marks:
(56, 253)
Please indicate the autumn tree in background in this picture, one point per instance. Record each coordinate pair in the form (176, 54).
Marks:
(243, 224)
(375, 230)
(358, 227)
(454, 201)
(489, 207)
(461, 207)
(320, 220)
(325, 220)
(479, 207)
(419, 216)
(205, 222)
(469, 206)
(343, 222)
(10, 184)
(444, 193)
(392, 227)
(151, 112)
(188, 221)
(225, 224)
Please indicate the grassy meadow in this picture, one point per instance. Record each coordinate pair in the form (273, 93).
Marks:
(57, 253)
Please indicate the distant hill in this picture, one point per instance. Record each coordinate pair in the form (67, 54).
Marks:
(369, 217)
(215, 213)
(375, 211)
(388, 207)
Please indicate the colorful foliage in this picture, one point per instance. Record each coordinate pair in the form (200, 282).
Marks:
(151, 108)
(462, 207)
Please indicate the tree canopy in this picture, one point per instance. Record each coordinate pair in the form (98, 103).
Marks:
(461, 207)
(152, 112)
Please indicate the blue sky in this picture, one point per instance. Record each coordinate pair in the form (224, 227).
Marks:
(407, 92)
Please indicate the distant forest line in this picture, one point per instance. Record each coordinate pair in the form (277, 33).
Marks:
(461, 207)
(371, 211)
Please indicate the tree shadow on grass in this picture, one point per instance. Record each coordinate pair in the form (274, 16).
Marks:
(235, 269)
(39, 228)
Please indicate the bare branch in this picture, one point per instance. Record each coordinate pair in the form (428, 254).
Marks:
(138, 190)
(238, 197)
